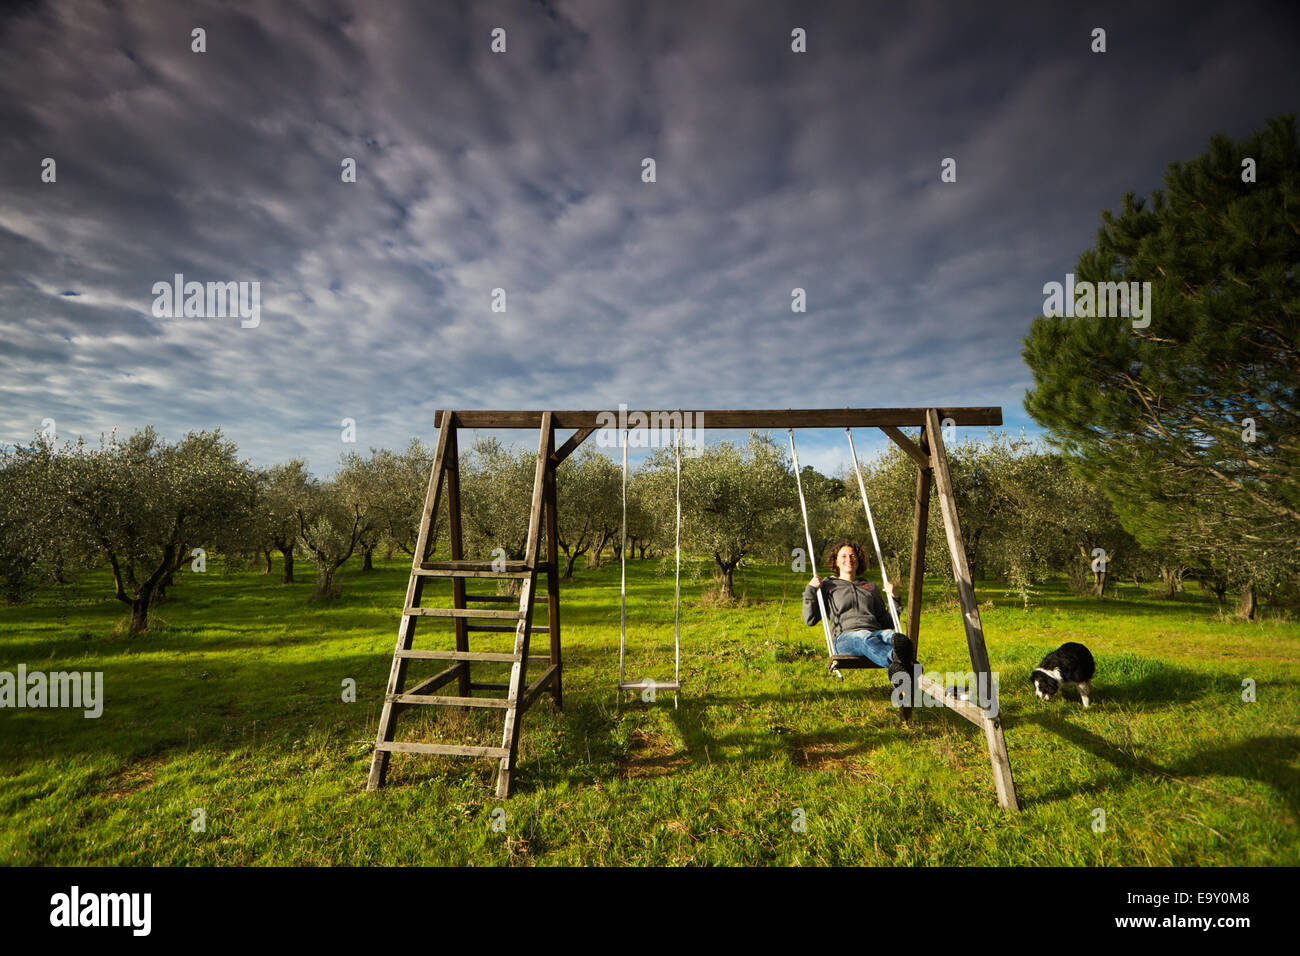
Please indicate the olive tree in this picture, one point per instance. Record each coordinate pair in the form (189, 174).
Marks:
(496, 486)
(282, 489)
(735, 500)
(33, 546)
(588, 491)
(146, 505)
(332, 521)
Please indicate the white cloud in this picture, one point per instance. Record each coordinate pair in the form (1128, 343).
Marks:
(522, 171)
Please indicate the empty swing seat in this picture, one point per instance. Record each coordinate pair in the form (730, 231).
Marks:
(656, 685)
(649, 684)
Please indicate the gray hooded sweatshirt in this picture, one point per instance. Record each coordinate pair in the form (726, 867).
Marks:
(852, 606)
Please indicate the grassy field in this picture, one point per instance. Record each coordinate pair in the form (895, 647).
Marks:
(233, 705)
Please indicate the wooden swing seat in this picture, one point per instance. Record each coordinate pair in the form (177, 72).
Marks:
(851, 662)
(657, 685)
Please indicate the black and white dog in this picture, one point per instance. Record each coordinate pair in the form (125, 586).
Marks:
(1069, 664)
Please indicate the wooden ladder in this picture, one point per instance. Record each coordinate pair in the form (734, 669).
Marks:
(519, 693)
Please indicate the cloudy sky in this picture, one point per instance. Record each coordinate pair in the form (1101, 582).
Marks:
(522, 170)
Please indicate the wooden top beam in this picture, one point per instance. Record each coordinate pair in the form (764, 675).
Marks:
(758, 418)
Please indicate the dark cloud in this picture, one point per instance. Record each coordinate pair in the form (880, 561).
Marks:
(521, 171)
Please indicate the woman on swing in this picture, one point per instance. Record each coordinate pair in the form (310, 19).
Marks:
(860, 619)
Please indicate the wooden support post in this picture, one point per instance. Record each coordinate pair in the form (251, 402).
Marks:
(570, 446)
(918, 455)
(920, 522)
(979, 656)
(457, 547)
(553, 558)
(406, 629)
(957, 549)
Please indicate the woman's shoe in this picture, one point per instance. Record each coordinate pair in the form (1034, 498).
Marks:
(902, 659)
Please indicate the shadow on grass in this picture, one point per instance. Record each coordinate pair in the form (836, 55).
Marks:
(204, 700)
(1131, 680)
(589, 751)
(831, 749)
(1265, 759)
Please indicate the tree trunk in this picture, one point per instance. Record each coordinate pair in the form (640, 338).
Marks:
(1098, 582)
(728, 583)
(367, 563)
(287, 577)
(140, 611)
(1248, 608)
(324, 589)
(594, 561)
(14, 586)
(570, 559)
(268, 561)
(1169, 577)
(726, 573)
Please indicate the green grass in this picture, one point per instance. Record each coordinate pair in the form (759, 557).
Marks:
(233, 704)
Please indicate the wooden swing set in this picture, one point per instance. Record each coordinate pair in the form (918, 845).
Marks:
(467, 614)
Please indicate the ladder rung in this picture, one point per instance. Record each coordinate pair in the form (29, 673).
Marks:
(463, 573)
(498, 702)
(449, 750)
(485, 656)
(474, 565)
(463, 612)
(480, 569)
(504, 628)
(458, 656)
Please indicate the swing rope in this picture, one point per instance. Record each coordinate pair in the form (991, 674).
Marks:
(884, 574)
(677, 584)
(622, 586)
(812, 554)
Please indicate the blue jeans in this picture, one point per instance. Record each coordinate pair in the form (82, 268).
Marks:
(876, 645)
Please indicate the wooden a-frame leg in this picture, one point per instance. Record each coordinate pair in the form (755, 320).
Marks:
(979, 656)
(553, 579)
(414, 588)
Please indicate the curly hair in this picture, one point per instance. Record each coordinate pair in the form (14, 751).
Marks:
(833, 552)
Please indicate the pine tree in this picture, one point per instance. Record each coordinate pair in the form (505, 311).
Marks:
(1191, 423)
